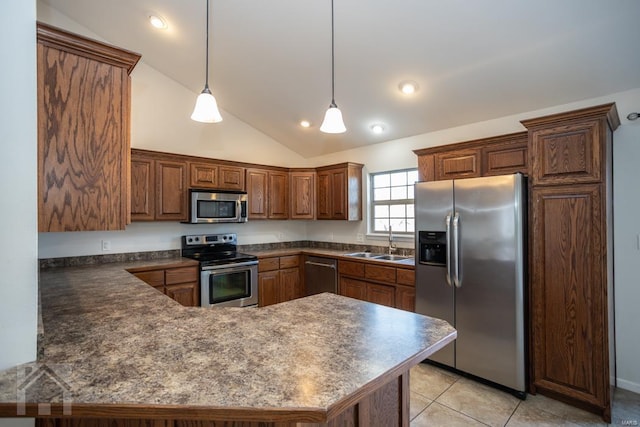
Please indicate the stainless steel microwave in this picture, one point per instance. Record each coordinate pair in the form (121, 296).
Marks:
(214, 206)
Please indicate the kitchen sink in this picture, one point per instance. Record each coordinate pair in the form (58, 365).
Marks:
(363, 255)
(391, 257)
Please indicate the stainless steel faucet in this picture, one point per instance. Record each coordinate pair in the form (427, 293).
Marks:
(392, 246)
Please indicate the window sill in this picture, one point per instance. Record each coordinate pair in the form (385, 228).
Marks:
(396, 237)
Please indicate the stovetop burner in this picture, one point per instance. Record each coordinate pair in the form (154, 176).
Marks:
(214, 249)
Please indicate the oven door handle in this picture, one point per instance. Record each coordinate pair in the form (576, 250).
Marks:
(228, 266)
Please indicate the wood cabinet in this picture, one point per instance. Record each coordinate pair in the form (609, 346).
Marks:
(212, 175)
(572, 260)
(339, 192)
(83, 132)
(268, 193)
(380, 284)
(302, 195)
(279, 280)
(179, 282)
(498, 155)
(158, 187)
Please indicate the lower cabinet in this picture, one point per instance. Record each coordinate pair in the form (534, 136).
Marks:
(380, 284)
(179, 283)
(279, 280)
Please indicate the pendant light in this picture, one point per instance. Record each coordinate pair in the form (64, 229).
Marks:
(333, 122)
(206, 109)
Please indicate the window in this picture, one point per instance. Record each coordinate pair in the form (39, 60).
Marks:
(391, 201)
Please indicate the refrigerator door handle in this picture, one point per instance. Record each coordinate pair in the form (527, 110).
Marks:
(448, 238)
(457, 273)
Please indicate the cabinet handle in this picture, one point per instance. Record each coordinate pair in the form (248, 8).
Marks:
(317, 264)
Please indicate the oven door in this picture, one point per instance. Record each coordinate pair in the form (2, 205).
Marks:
(229, 285)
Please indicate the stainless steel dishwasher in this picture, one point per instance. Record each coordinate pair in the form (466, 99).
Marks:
(320, 275)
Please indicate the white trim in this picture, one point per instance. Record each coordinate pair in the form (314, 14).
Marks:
(628, 385)
(396, 236)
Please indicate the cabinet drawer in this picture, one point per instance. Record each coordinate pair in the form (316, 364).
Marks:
(268, 264)
(181, 275)
(383, 274)
(406, 277)
(350, 268)
(153, 277)
(289, 261)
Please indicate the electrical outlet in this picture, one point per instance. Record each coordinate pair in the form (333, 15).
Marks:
(106, 245)
(360, 238)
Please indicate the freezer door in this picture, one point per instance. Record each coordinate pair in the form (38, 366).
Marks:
(489, 299)
(434, 297)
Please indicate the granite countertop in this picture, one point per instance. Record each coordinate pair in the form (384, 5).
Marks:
(119, 345)
(332, 253)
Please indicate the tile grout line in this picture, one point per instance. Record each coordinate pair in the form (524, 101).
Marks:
(513, 413)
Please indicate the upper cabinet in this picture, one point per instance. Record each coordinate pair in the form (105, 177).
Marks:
(158, 187)
(268, 192)
(213, 175)
(83, 132)
(339, 192)
(302, 195)
(498, 155)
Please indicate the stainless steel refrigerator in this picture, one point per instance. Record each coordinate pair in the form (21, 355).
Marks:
(470, 271)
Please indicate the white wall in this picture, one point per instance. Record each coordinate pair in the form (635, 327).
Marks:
(160, 121)
(18, 262)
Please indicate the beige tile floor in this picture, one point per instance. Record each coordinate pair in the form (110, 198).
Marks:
(442, 398)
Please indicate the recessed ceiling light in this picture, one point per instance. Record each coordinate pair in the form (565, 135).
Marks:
(305, 123)
(158, 22)
(377, 128)
(408, 87)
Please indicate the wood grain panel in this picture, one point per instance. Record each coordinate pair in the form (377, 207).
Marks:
(203, 175)
(406, 298)
(187, 294)
(154, 277)
(258, 192)
(324, 196)
(142, 189)
(502, 159)
(278, 201)
(353, 288)
(427, 167)
(181, 275)
(268, 288)
(457, 164)
(351, 268)
(83, 148)
(289, 261)
(338, 194)
(171, 190)
(231, 177)
(302, 195)
(569, 293)
(406, 276)
(290, 284)
(268, 264)
(378, 272)
(381, 294)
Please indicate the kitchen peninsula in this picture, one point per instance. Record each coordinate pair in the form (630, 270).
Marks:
(114, 348)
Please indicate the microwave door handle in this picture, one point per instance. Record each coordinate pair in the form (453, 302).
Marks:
(448, 239)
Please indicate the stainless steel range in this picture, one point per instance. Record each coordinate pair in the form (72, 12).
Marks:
(227, 278)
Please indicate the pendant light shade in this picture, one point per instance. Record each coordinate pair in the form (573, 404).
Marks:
(206, 109)
(333, 122)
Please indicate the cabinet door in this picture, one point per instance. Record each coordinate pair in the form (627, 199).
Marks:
(569, 294)
(290, 284)
(258, 193)
(268, 288)
(324, 196)
(457, 164)
(353, 288)
(171, 185)
(427, 167)
(231, 177)
(406, 298)
(203, 175)
(381, 294)
(143, 189)
(278, 200)
(185, 293)
(502, 159)
(83, 134)
(302, 195)
(338, 194)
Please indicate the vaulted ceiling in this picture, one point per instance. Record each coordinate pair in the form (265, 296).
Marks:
(474, 60)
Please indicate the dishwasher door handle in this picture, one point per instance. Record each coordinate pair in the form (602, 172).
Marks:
(318, 264)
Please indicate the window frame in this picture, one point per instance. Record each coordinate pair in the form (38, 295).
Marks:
(372, 203)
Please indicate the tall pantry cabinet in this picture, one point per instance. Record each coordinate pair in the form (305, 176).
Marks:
(571, 240)
(83, 132)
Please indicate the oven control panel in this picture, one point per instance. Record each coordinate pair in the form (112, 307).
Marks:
(209, 239)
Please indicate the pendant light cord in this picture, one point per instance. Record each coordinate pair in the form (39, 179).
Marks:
(206, 77)
(333, 77)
